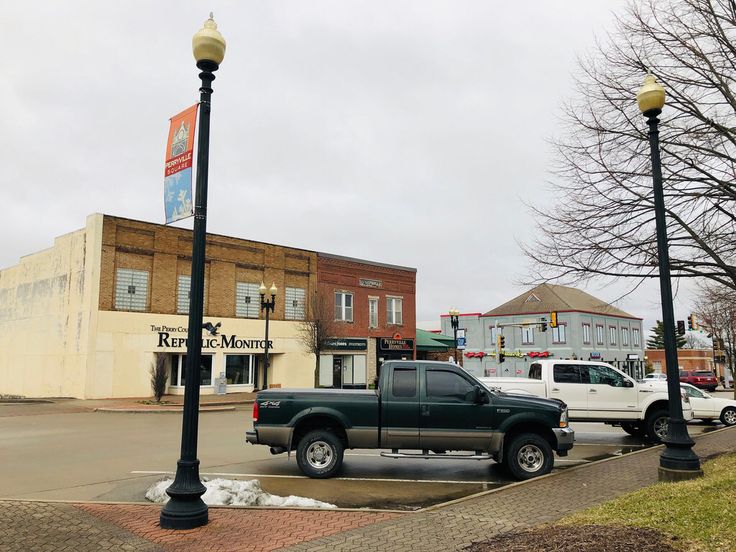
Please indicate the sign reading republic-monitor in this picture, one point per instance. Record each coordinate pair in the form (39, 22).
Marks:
(178, 171)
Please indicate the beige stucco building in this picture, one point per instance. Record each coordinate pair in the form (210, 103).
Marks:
(86, 317)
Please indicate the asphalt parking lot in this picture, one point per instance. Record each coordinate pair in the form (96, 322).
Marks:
(61, 451)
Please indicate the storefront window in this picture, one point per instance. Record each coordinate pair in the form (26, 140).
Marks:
(239, 369)
(178, 370)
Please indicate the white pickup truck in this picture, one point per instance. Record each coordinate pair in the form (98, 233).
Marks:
(597, 392)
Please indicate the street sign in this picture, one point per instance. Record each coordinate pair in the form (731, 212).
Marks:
(461, 343)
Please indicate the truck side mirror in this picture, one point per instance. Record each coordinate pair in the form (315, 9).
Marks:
(481, 397)
(628, 383)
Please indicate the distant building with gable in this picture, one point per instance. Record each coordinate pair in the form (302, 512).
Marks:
(589, 329)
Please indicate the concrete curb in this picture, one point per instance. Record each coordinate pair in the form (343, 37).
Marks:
(158, 410)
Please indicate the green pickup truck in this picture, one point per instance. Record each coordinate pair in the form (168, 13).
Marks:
(433, 407)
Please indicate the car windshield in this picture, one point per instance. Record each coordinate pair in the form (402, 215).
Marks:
(703, 374)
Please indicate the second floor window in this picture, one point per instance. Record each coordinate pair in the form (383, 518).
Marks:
(343, 306)
(393, 310)
(599, 335)
(183, 294)
(247, 300)
(527, 335)
(131, 289)
(558, 334)
(612, 335)
(295, 306)
(586, 333)
(373, 312)
(625, 337)
(635, 336)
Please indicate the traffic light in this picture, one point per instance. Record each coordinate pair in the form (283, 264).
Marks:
(689, 322)
(543, 326)
(680, 327)
(694, 322)
(553, 319)
(500, 344)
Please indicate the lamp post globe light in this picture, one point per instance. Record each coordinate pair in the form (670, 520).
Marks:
(677, 461)
(267, 305)
(454, 313)
(185, 509)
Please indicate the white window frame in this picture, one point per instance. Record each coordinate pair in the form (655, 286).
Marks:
(636, 337)
(600, 334)
(251, 370)
(394, 316)
(295, 303)
(373, 312)
(527, 335)
(624, 337)
(343, 312)
(180, 359)
(613, 335)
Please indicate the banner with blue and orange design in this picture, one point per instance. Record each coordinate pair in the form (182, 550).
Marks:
(178, 172)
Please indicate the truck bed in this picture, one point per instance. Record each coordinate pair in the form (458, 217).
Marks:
(517, 385)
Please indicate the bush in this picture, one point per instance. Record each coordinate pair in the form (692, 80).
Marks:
(159, 375)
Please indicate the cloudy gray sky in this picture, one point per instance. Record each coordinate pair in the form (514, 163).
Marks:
(407, 132)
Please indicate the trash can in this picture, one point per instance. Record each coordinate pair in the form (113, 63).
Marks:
(222, 384)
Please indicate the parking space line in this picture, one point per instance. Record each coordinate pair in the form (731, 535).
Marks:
(385, 480)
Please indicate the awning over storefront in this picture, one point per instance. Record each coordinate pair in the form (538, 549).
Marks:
(428, 341)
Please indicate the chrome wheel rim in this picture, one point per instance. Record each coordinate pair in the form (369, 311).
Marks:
(319, 455)
(661, 426)
(729, 416)
(530, 458)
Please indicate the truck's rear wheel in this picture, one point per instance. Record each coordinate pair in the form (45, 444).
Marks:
(633, 429)
(528, 455)
(319, 454)
(657, 425)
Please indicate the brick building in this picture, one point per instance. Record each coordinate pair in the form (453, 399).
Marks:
(687, 359)
(374, 318)
(87, 317)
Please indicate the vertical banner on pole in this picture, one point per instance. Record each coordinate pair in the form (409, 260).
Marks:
(178, 172)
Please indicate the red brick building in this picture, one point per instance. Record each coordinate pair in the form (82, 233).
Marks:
(687, 359)
(372, 307)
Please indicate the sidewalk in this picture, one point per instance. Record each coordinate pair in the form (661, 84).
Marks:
(452, 526)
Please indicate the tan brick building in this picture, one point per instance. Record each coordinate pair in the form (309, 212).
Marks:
(87, 317)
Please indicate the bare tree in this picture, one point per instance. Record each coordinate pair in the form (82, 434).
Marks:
(716, 313)
(316, 330)
(602, 220)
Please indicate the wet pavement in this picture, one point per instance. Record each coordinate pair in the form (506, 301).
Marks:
(77, 454)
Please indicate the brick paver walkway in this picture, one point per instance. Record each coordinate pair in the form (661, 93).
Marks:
(88, 527)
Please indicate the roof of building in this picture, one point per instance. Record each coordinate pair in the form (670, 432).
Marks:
(546, 298)
(428, 341)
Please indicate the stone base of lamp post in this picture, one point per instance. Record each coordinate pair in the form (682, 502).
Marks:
(678, 462)
(185, 509)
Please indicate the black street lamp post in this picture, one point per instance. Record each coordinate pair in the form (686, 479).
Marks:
(185, 509)
(454, 313)
(267, 305)
(677, 461)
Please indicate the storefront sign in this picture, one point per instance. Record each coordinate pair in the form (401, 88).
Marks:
(388, 344)
(367, 282)
(347, 344)
(594, 356)
(167, 340)
(539, 354)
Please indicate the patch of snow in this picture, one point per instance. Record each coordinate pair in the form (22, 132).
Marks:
(233, 492)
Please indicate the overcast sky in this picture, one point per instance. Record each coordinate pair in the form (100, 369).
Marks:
(403, 132)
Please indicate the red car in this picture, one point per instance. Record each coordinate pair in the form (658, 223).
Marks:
(702, 379)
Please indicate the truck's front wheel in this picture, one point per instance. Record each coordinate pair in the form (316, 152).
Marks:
(319, 454)
(528, 455)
